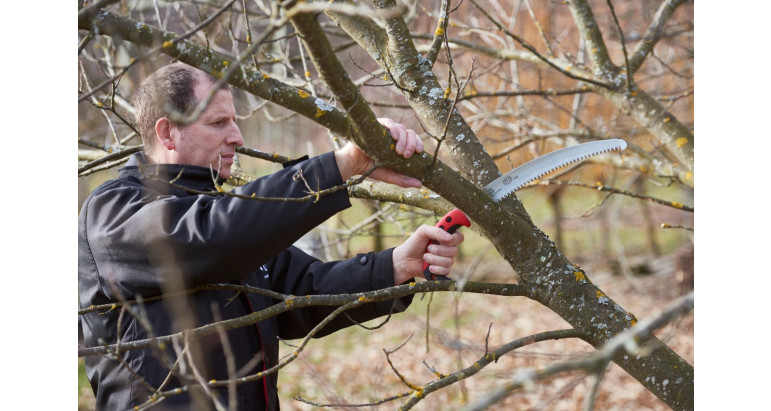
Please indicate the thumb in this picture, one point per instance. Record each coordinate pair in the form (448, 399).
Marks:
(390, 176)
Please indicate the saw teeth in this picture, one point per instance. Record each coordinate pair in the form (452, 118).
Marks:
(600, 150)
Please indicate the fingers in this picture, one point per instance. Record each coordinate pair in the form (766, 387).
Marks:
(441, 256)
(387, 175)
(439, 264)
(406, 140)
(408, 143)
(408, 258)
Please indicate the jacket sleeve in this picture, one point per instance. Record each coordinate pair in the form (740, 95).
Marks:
(139, 239)
(295, 272)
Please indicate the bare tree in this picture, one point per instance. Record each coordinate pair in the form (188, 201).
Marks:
(490, 83)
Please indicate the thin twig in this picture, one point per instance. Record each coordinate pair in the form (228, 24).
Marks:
(623, 46)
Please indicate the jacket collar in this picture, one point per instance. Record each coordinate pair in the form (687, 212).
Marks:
(159, 175)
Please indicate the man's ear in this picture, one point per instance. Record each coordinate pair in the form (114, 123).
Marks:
(163, 133)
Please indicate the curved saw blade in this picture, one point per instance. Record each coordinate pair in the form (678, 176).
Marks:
(540, 166)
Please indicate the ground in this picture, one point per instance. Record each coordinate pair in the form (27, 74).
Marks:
(350, 366)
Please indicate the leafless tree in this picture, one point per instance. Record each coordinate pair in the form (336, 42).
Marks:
(489, 83)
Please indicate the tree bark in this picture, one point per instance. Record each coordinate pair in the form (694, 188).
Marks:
(545, 273)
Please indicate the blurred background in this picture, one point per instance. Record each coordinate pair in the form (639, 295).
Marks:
(627, 219)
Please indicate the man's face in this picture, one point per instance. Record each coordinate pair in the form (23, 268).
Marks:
(212, 139)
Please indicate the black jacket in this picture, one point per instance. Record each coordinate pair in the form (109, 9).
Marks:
(139, 236)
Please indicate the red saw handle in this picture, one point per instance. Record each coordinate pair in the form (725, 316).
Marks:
(450, 222)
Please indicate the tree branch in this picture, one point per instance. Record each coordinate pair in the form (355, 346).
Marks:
(293, 302)
(652, 34)
(627, 342)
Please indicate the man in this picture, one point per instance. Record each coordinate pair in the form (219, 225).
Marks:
(157, 230)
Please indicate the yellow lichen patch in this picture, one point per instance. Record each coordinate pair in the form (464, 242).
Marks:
(439, 31)
(167, 44)
(392, 146)
(580, 276)
(633, 93)
(225, 63)
(303, 93)
(677, 205)
(362, 299)
(307, 74)
(412, 284)
(666, 119)
(689, 175)
(212, 381)
(319, 112)
(682, 141)
(568, 68)
(600, 294)
(265, 76)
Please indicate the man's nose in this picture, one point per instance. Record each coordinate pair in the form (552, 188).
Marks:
(234, 136)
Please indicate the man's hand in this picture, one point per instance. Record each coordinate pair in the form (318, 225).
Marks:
(352, 161)
(408, 258)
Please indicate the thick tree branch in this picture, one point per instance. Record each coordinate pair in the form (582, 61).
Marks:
(249, 79)
(603, 67)
(545, 274)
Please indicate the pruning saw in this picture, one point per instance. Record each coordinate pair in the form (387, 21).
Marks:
(521, 176)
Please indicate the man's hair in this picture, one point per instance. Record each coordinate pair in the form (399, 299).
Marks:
(173, 85)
